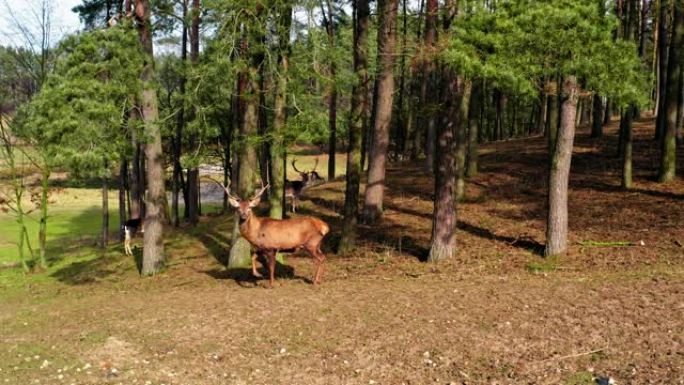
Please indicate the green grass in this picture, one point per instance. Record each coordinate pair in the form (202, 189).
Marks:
(76, 215)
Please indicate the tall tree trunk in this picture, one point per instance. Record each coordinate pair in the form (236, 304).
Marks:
(277, 158)
(597, 117)
(473, 125)
(541, 112)
(240, 254)
(153, 241)
(359, 105)
(668, 159)
(193, 182)
(680, 109)
(401, 130)
(460, 127)
(552, 116)
(105, 210)
(608, 112)
(375, 188)
(332, 91)
(443, 244)
(135, 177)
(627, 147)
(178, 138)
(557, 222)
(426, 123)
(123, 172)
(663, 43)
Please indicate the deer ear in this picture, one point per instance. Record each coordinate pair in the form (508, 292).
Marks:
(233, 202)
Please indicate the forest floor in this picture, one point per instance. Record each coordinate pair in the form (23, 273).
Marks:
(498, 313)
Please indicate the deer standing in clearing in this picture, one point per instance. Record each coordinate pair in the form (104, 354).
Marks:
(294, 188)
(269, 236)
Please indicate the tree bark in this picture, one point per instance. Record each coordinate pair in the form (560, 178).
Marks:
(460, 127)
(332, 91)
(105, 211)
(240, 254)
(443, 244)
(557, 222)
(597, 118)
(473, 125)
(552, 116)
(359, 106)
(192, 181)
(178, 138)
(426, 123)
(375, 188)
(123, 172)
(153, 241)
(668, 159)
(663, 43)
(277, 158)
(627, 147)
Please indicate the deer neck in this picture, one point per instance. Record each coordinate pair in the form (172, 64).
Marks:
(249, 228)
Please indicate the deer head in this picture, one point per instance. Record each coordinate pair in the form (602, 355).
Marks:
(244, 206)
(308, 176)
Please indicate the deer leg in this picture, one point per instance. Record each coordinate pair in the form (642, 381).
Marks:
(254, 270)
(271, 267)
(319, 258)
(127, 246)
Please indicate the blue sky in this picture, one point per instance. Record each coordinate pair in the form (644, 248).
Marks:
(24, 12)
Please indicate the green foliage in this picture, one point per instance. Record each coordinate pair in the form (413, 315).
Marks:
(77, 118)
(522, 42)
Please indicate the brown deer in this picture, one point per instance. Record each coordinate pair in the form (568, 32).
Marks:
(269, 236)
(294, 188)
(132, 227)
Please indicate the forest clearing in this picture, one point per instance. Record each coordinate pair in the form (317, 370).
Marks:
(341, 192)
(497, 313)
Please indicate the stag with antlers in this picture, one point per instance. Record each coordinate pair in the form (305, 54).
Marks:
(294, 188)
(269, 236)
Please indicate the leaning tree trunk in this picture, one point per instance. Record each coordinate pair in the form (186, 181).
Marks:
(277, 148)
(559, 173)
(153, 241)
(375, 188)
(675, 64)
(359, 105)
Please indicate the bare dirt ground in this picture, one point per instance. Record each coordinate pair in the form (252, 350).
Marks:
(497, 314)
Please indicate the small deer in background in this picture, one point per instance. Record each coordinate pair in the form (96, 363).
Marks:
(269, 236)
(131, 228)
(294, 188)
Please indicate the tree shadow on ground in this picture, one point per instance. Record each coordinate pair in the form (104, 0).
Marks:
(92, 263)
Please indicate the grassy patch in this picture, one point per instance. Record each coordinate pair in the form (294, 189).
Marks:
(580, 378)
(545, 265)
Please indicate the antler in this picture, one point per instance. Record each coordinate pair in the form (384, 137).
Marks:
(295, 167)
(315, 165)
(225, 188)
(260, 191)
